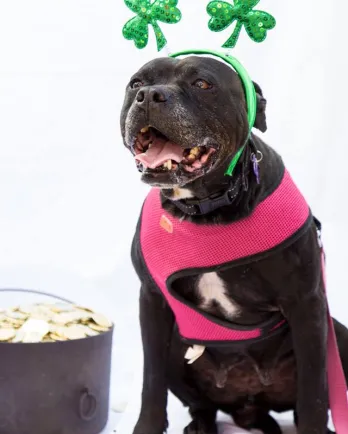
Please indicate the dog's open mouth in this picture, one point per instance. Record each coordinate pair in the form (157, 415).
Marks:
(155, 152)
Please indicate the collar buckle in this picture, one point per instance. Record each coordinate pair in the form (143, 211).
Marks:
(210, 204)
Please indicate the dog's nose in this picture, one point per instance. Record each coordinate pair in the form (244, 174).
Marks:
(152, 95)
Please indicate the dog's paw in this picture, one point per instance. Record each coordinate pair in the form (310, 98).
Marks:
(150, 427)
(197, 426)
(147, 430)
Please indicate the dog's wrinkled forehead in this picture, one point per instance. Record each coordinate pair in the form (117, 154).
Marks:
(165, 70)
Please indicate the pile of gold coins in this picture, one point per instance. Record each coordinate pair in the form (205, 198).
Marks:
(50, 323)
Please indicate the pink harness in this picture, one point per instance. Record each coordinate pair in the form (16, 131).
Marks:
(171, 247)
(187, 246)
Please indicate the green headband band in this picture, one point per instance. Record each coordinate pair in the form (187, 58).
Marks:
(249, 90)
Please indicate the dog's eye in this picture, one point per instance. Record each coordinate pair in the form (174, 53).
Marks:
(202, 84)
(135, 84)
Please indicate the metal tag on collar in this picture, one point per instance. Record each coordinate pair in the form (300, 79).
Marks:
(256, 158)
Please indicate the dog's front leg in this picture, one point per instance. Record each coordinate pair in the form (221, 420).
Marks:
(156, 321)
(308, 323)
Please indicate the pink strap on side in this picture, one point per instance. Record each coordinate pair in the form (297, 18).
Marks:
(336, 378)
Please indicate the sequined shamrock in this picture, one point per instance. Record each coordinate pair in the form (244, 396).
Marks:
(148, 13)
(256, 23)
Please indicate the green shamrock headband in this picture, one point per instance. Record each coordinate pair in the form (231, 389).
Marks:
(222, 14)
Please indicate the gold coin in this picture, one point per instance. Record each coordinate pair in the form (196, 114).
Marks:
(101, 320)
(97, 327)
(55, 337)
(73, 332)
(86, 309)
(40, 316)
(45, 311)
(61, 307)
(6, 325)
(58, 330)
(88, 331)
(37, 312)
(16, 315)
(61, 319)
(7, 334)
(33, 330)
(69, 317)
(14, 322)
(26, 309)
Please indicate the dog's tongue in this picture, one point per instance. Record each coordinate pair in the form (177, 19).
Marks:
(159, 152)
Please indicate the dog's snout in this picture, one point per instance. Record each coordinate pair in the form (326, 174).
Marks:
(158, 94)
(152, 95)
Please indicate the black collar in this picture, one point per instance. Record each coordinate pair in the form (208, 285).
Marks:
(210, 203)
(223, 198)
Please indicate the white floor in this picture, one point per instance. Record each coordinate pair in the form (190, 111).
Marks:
(178, 420)
(113, 422)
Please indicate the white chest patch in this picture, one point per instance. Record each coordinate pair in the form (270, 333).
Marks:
(212, 289)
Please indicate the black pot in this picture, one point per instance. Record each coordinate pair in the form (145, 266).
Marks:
(55, 387)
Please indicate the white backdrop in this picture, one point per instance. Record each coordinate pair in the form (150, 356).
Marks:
(69, 192)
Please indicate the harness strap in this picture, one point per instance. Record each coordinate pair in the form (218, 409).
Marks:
(336, 377)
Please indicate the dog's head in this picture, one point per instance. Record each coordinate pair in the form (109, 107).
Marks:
(183, 119)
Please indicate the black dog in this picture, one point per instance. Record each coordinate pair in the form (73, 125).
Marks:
(199, 104)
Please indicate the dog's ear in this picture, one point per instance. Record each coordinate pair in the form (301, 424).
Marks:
(260, 121)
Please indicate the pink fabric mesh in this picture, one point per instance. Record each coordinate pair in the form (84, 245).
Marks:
(274, 220)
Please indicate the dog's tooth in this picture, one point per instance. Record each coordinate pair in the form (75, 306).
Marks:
(144, 130)
(169, 164)
(165, 164)
(194, 152)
